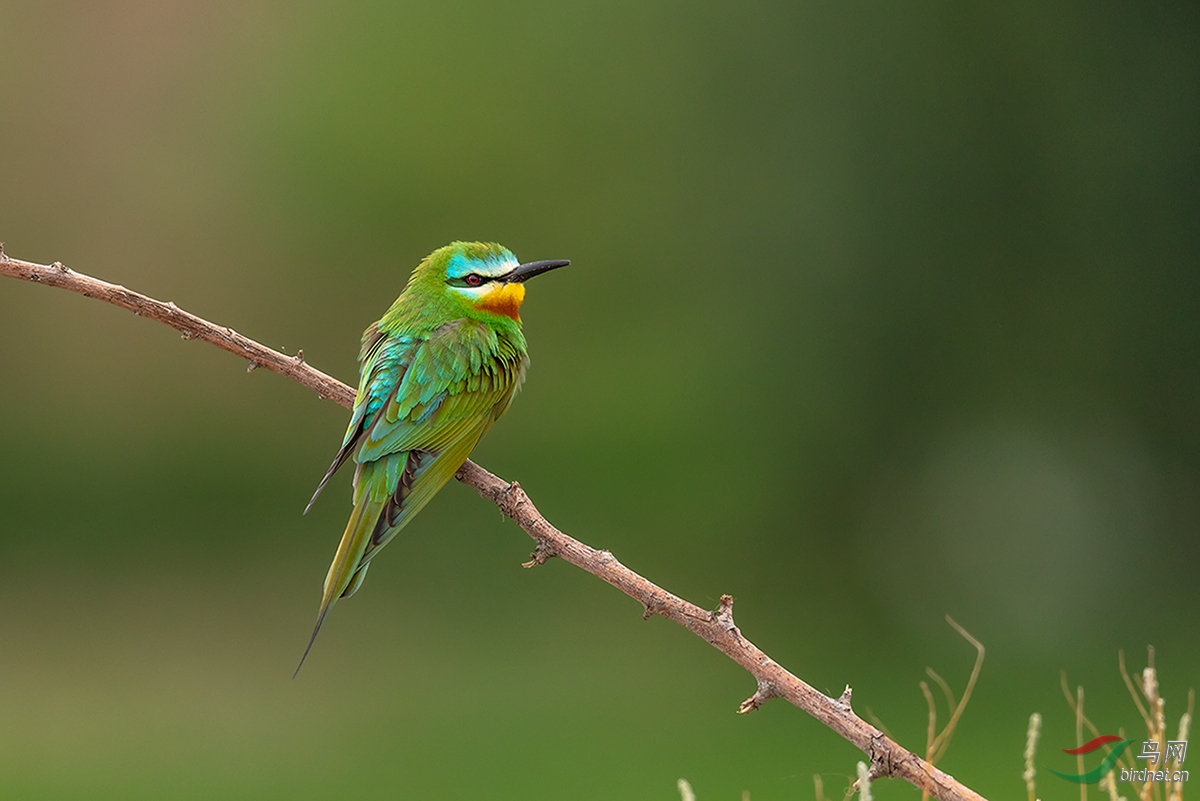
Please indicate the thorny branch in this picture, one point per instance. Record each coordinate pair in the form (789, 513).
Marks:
(887, 758)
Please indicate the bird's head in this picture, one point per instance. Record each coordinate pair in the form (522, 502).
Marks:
(481, 280)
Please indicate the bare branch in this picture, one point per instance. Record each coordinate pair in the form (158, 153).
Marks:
(887, 758)
(188, 325)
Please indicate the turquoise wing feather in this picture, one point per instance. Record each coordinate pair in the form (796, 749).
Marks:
(384, 362)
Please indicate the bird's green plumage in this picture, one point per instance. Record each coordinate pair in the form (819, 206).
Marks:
(436, 371)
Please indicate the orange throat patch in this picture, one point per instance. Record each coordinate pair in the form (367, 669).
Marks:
(506, 300)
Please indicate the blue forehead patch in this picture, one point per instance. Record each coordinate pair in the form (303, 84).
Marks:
(489, 266)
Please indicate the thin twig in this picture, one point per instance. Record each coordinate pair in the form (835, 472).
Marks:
(887, 758)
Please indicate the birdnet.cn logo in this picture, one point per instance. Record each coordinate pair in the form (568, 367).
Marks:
(1174, 751)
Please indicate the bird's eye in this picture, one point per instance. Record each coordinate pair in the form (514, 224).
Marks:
(474, 279)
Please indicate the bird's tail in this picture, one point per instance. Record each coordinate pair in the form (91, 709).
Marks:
(345, 564)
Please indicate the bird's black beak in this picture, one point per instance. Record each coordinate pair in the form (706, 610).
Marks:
(526, 271)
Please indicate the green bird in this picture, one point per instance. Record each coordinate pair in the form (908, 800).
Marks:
(435, 372)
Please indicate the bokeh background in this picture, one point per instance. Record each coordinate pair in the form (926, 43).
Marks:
(878, 312)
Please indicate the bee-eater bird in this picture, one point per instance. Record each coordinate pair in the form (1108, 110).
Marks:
(439, 367)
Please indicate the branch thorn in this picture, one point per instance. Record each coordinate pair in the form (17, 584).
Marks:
(251, 366)
(540, 554)
(724, 614)
(765, 692)
(653, 606)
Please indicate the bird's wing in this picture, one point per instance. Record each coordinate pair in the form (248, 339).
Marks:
(384, 362)
(459, 381)
(413, 434)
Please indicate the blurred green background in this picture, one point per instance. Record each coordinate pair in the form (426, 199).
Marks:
(877, 312)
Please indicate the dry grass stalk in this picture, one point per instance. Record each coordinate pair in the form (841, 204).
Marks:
(1147, 699)
(937, 743)
(1031, 739)
(864, 782)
